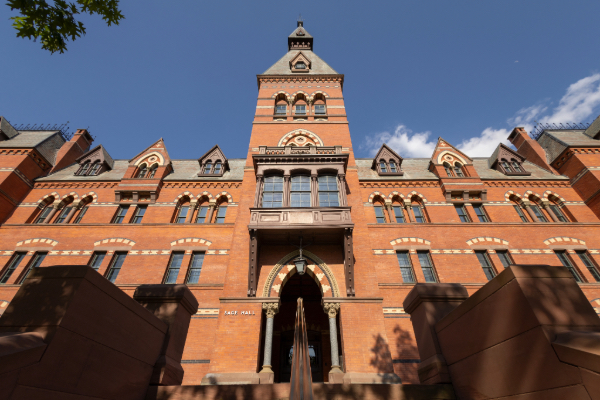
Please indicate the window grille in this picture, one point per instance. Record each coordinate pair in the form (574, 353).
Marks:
(427, 266)
(139, 215)
(273, 192)
(81, 214)
(201, 217)
(222, 210)
(504, 258)
(538, 213)
(97, 259)
(587, 261)
(516, 166)
(43, 215)
(419, 217)
(300, 194)
(195, 267)
(399, 214)
(379, 215)
(383, 166)
(35, 262)
(480, 212)
(281, 110)
(12, 266)
(320, 109)
(462, 213)
(120, 216)
(174, 266)
(486, 264)
(521, 213)
(448, 170)
(458, 170)
(564, 259)
(393, 167)
(63, 215)
(301, 109)
(182, 214)
(217, 170)
(558, 212)
(115, 266)
(328, 191)
(406, 268)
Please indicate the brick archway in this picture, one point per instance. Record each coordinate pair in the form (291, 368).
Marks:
(282, 272)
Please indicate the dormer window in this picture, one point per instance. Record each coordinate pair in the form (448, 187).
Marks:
(383, 166)
(392, 167)
(217, 170)
(387, 162)
(448, 169)
(95, 168)
(458, 170)
(516, 166)
(84, 168)
(300, 65)
(507, 161)
(94, 162)
(142, 172)
(213, 163)
(208, 167)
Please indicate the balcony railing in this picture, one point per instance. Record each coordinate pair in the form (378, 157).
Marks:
(313, 217)
(299, 150)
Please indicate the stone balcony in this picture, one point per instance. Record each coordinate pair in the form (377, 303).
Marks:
(300, 218)
(300, 150)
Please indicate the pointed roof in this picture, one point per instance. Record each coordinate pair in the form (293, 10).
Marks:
(156, 147)
(501, 152)
(216, 153)
(443, 146)
(100, 153)
(386, 152)
(300, 38)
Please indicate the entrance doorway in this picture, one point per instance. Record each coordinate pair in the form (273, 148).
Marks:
(314, 352)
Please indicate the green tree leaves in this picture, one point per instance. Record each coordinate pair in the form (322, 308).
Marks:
(55, 24)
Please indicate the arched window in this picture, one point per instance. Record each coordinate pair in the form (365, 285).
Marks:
(281, 104)
(378, 205)
(383, 166)
(516, 166)
(84, 168)
(66, 210)
(46, 208)
(152, 171)
(221, 212)
(398, 211)
(182, 210)
(320, 107)
(537, 210)
(418, 210)
(328, 191)
(208, 167)
(95, 168)
(202, 213)
(142, 171)
(505, 166)
(458, 170)
(300, 193)
(393, 166)
(300, 65)
(518, 206)
(83, 207)
(273, 192)
(448, 169)
(555, 207)
(218, 167)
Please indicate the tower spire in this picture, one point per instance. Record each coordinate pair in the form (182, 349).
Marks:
(300, 21)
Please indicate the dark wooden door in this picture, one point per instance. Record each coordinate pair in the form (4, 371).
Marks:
(314, 351)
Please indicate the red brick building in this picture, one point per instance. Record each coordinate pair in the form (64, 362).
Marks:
(299, 216)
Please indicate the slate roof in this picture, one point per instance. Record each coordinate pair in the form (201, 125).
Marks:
(417, 169)
(317, 65)
(27, 139)
(555, 141)
(183, 170)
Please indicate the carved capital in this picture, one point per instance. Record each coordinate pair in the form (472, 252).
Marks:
(331, 309)
(271, 309)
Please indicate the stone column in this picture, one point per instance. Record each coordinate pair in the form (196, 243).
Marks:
(314, 190)
(331, 309)
(55, 208)
(211, 210)
(259, 186)
(546, 205)
(286, 191)
(342, 188)
(270, 310)
(193, 205)
(390, 211)
(76, 205)
(408, 206)
(534, 217)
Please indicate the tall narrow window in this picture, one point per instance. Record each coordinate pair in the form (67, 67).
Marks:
(462, 213)
(35, 262)
(480, 212)
(273, 192)
(201, 217)
(208, 167)
(448, 170)
(506, 167)
(458, 170)
(328, 191)
(95, 169)
(182, 214)
(97, 259)
(504, 258)
(218, 167)
(558, 212)
(221, 212)
(519, 211)
(419, 217)
(80, 215)
(195, 267)
(174, 266)
(382, 166)
(393, 167)
(564, 259)
(300, 109)
(399, 214)
(486, 264)
(120, 216)
(63, 214)
(516, 166)
(300, 194)
(587, 261)
(115, 266)
(427, 266)
(12, 266)
(379, 214)
(43, 215)
(152, 171)
(142, 171)
(538, 213)
(320, 109)
(406, 268)
(84, 168)
(139, 214)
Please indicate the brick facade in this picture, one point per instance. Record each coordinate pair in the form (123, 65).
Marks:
(375, 334)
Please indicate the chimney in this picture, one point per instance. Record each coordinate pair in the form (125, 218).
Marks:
(76, 147)
(530, 149)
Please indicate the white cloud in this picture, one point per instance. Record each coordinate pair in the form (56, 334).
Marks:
(579, 104)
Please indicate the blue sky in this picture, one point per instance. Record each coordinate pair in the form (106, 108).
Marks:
(468, 71)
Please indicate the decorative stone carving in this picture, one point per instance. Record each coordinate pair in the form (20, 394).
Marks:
(331, 309)
(270, 309)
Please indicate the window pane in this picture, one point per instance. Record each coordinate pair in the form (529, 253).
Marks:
(506, 166)
(405, 267)
(174, 266)
(458, 170)
(37, 260)
(201, 217)
(273, 192)
(221, 214)
(392, 166)
(418, 214)
(115, 266)
(85, 168)
(462, 213)
(42, 217)
(63, 215)
(97, 259)
(207, 167)
(217, 168)
(328, 191)
(504, 258)
(587, 261)
(564, 259)
(520, 212)
(195, 267)
(139, 214)
(152, 172)
(538, 213)
(399, 214)
(558, 212)
(182, 215)
(448, 170)
(121, 212)
(427, 266)
(13, 264)
(486, 264)
(480, 213)
(320, 109)
(281, 110)
(80, 215)
(300, 194)
(516, 166)
(382, 166)
(300, 109)
(379, 215)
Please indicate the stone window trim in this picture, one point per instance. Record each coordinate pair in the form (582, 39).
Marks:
(189, 247)
(489, 246)
(136, 197)
(455, 170)
(314, 173)
(213, 164)
(408, 246)
(94, 162)
(466, 196)
(386, 160)
(508, 162)
(507, 167)
(145, 172)
(194, 206)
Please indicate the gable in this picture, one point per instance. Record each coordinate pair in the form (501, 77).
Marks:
(445, 152)
(386, 153)
(157, 150)
(98, 153)
(213, 154)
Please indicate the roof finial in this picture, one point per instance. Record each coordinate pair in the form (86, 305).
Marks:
(300, 21)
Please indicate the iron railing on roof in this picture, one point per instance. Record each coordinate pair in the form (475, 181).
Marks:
(62, 128)
(541, 127)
